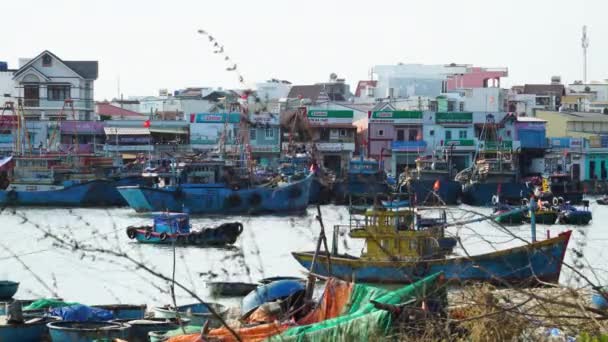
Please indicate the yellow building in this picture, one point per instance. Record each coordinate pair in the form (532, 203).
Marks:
(574, 124)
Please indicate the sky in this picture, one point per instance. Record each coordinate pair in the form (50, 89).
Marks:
(145, 45)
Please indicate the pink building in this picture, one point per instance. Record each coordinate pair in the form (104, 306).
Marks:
(476, 77)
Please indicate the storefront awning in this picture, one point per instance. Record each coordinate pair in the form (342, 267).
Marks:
(174, 130)
(126, 130)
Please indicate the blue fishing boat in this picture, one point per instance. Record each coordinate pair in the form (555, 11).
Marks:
(63, 331)
(569, 214)
(407, 255)
(175, 227)
(8, 289)
(365, 180)
(320, 187)
(213, 187)
(495, 171)
(34, 329)
(431, 182)
(60, 180)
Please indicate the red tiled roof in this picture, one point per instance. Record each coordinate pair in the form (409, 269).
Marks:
(107, 109)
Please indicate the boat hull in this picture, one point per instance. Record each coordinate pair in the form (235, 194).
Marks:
(210, 199)
(480, 194)
(525, 265)
(449, 191)
(96, 193)
(207, 237)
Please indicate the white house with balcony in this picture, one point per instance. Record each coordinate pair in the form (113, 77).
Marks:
(49, 87)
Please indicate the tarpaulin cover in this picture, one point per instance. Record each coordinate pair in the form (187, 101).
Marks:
(343, 314)
(82, 313)
(363, 322)
(47, 303)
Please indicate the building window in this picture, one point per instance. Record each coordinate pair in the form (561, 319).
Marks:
(461, 106)
(462, 134)
(413, 136)
(252, 134)
(47, 61)
(269, 133)
(448, 135)
(380, 132)
(342, 132)
(400, 135)
(58, 92)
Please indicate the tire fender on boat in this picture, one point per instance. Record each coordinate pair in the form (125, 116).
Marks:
(255, 199)
(163, 236)
(494, 199)
(233, 200)
(131, 232)
(148, 235)
(555, 201)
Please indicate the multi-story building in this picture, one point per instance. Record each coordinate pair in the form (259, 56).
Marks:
(207, 129)
(395, 138)
(265, 138)
(48, 87)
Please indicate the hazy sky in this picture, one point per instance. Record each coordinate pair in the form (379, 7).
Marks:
(153, 44)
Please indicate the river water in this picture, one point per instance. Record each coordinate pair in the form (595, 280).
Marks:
(263, 250)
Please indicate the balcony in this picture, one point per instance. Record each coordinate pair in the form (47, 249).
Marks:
(129, 148)
(408, 146)
(58, 104)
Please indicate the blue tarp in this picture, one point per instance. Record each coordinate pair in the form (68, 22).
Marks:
(82, 313)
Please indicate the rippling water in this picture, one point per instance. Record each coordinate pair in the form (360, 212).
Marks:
(262, 250)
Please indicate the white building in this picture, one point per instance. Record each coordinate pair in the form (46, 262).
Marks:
(407, 80)
(45, 82)
(272, 89)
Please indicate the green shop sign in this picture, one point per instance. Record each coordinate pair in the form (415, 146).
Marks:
(397, 116)
(453, 118)
(460, 142)
(328, 116)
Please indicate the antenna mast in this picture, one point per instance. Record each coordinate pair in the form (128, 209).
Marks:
(585, 45)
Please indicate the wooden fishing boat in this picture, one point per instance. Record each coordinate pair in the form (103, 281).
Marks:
(506, 215)
(602, 201)
(8, 289)
(141, 328)
(402, 254)
(175, 227)
(197, 313)
(569, 214)
(544, 216)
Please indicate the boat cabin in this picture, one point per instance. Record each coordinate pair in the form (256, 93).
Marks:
(172, 223)
(392, 235)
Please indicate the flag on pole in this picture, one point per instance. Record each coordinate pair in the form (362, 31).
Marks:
(436, 186)
(147, 124)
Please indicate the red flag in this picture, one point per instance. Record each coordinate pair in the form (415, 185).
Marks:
(436, 186)
(498, 188)
(147, 124)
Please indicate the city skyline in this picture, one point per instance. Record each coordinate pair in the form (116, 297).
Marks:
(145, 46)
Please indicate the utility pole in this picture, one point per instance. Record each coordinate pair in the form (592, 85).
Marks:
(585, 45)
